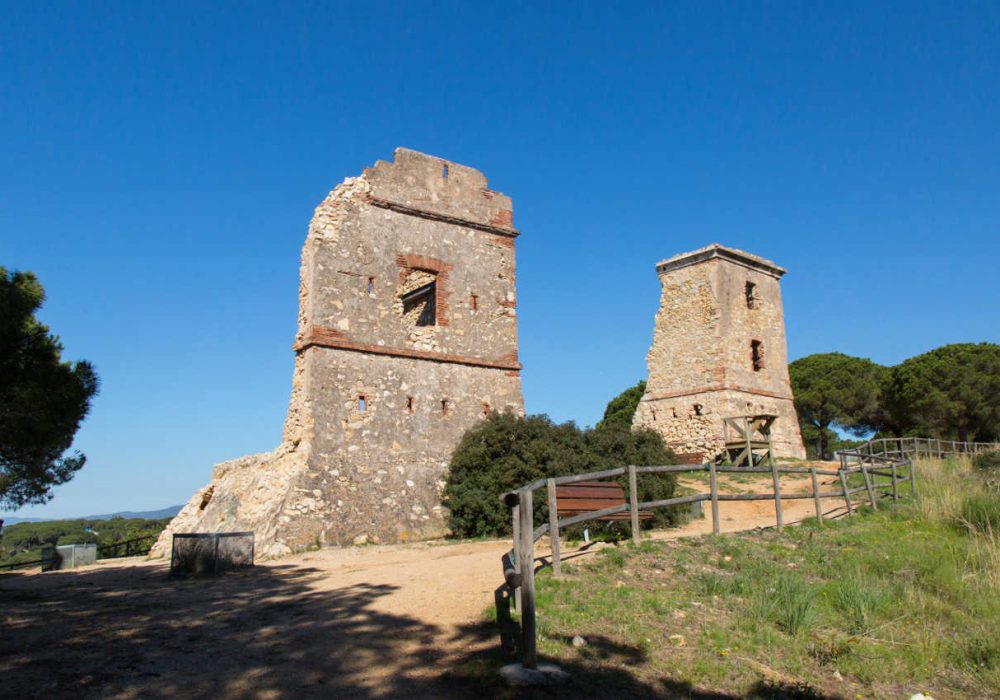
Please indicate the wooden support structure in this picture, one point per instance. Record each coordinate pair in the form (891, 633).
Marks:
(748, 440)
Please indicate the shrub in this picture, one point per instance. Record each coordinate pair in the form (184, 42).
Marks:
(505, 452)
(987, 461)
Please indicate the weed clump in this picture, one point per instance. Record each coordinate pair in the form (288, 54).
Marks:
(860, 600)
(788, 604)
(981, 513)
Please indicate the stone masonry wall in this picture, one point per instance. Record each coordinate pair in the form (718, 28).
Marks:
(378, 402)
(701, 366)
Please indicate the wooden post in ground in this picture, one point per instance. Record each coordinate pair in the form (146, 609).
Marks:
(516, 520)
(779, 520)
(913, 480)
(819, 506)
(526, 563)
(895, 485)
(868, 486)
(847, 495)
(714, 485)
(554, 528)
(633, 502)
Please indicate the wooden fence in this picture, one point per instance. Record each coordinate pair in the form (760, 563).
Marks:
(883, 464)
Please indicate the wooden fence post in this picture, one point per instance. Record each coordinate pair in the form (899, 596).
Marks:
(779, 520)
(714, 485)
(633, 503)
(526, 563)
(516, 518)
(895, 485)
(554, 528)
(913, 480)
(819, 507)
(847, 495)
(868, 486)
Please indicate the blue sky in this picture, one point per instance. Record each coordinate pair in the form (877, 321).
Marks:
(161, 161)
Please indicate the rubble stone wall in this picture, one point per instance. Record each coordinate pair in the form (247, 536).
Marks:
(379, 403)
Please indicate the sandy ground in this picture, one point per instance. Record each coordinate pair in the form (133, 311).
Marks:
(378, 621)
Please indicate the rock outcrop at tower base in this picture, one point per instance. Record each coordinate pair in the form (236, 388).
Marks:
(407, 336)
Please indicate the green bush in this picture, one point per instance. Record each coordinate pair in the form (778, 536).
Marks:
(987, 461)
(506, 452)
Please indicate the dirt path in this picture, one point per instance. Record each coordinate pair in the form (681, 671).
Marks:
(375, 621)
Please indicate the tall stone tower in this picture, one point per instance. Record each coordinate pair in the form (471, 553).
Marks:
(718, 351)
(407, 336)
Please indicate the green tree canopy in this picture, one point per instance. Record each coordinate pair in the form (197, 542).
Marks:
(834, 389)
(951, 392)
(621, 409)
(42, 398)
(505, 452)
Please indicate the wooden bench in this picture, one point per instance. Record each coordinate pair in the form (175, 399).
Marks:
(587, 496)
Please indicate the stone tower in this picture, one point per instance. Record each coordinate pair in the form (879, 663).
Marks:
(407, 336)
(718, 351)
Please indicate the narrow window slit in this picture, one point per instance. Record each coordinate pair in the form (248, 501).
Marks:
(751, 295)
(362, 403)
(757, 355)
(409, 404)
(371, 285)
(444, 407)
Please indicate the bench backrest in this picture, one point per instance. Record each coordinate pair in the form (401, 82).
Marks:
(586, 496)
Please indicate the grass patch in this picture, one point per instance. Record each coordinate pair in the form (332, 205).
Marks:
(883, 604)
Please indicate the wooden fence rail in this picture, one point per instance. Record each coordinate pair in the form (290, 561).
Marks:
(889, 458)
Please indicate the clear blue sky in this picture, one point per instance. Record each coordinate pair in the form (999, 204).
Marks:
(161, 161)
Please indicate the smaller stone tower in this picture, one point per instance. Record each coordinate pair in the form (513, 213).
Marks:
(718, 351)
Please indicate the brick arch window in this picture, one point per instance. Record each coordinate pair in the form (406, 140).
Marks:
(423, 289)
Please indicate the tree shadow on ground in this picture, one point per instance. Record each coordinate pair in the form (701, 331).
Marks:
(270, 632)
(264, 632)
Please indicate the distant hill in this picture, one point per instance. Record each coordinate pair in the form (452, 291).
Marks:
(168, 512)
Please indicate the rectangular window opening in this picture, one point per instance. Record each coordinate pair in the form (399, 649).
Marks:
(371, 285)
(757, 355)
(751, 294)
(423, 302)
(409, 404)
(444, 171)
(362, 403)
(474, 302)
(444, 407)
